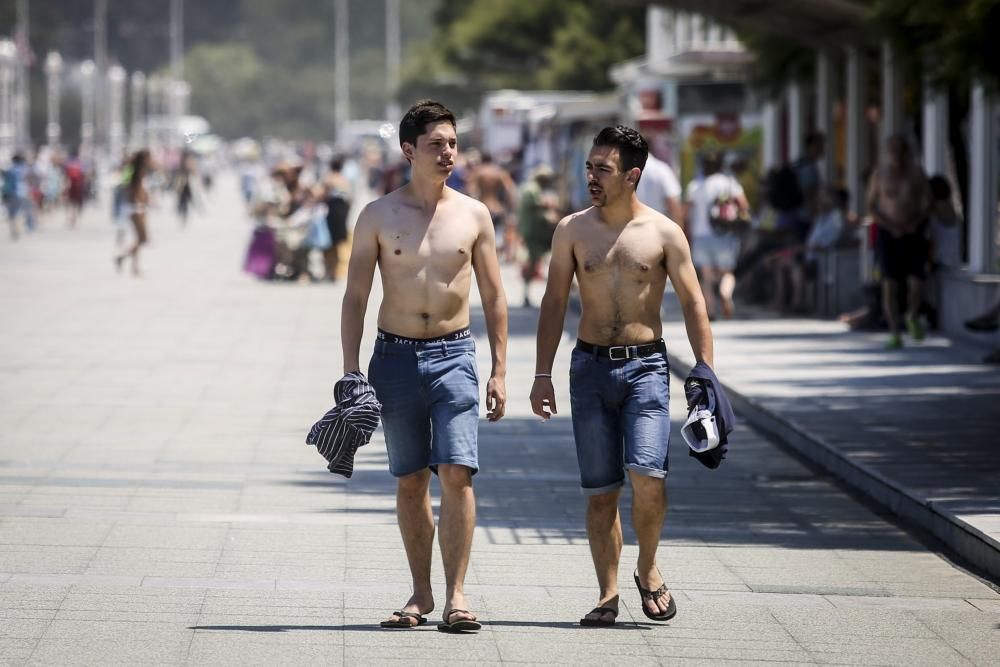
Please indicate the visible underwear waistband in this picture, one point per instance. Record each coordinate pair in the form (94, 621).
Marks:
(388, 337)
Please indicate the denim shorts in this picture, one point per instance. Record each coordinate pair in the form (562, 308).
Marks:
(430, 403)
(719, 251)
(621, 418)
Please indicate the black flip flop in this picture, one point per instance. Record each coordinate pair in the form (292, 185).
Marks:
(596, 622)
(461, 625)
(402, 624)
(646, 594)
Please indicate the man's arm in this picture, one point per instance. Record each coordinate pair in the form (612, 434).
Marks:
(685, 282)
(360, 273)
(487, 268)
(551, 316)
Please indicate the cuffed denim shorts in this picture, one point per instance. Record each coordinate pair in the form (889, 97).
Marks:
(621, 418)
(430, 403)
(720, 251)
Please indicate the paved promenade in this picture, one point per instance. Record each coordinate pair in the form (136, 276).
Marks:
(158, 504)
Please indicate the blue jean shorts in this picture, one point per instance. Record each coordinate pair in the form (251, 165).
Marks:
(719, 251)
(430, 403)
(621, 417)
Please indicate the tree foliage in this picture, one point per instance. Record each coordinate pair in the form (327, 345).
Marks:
(953, 41)
(562, 44)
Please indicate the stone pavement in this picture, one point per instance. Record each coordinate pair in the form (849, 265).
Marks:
(914, 429)
(158, 504)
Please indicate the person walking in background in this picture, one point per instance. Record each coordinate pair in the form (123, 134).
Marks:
(134, 206)
(17, 195)
(427, 241)
(660, 190)
(537, 215)
(621, 253)
(491, 184)
(184, 185)
(899, 201)
(337, 196)
(76, 186)
(714, 247)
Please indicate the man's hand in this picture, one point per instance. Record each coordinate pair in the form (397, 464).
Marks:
(543, 398)
(496, 398)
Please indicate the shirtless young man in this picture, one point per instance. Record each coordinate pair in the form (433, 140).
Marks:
(899, 199)
(621, 252)
(427, 240)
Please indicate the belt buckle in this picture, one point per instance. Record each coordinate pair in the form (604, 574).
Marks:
(623, 348)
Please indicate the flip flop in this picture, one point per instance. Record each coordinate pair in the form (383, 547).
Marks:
(403, 624)
(597, 622)
(646, 594)
(461, 625)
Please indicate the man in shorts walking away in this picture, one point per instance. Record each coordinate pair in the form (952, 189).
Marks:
(621, 252)
(899, 199)
(427, 240)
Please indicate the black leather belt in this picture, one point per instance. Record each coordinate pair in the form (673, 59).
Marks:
(622, 352)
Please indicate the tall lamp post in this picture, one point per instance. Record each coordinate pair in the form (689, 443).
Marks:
(154, 110)
(8, 53)
(88, 73)
(53, 78)
(137, 132)
(116, 107)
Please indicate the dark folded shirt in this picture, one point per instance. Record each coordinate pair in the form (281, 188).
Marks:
(704, 392)
(347, 425)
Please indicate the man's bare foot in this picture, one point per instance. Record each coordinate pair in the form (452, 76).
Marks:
(658, 602)
(413, 610)
(460, 613)
(604, 613)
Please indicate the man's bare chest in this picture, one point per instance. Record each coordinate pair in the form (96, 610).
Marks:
(637, 255)
(441, 244)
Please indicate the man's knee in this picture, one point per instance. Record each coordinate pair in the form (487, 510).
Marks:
(604, 502)
(414, 484)
(647, 488)
(454, 477)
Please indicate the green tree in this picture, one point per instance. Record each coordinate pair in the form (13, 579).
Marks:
(952, 41)
(481, 45)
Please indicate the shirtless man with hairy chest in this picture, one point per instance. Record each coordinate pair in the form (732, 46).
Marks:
(621, 253)
(427, 241)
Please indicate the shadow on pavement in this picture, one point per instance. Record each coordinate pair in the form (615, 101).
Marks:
(528, 493)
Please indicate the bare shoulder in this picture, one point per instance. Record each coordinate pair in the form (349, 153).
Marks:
(382, 208)
(470, 204)
(574, 222)
(669, 230)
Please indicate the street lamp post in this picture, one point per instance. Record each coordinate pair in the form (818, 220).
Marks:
(7, 55)
(137, 132)
(53, 74)
(87, 75)
(116, 108)
(154, 110)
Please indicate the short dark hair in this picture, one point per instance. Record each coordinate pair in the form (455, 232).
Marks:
(337, 163)
(632, 148)
(815, 138)
(940, 187)
(711, 162)
(419, 116)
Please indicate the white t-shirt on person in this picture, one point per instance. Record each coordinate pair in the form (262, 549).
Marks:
(657, 184)
(701, 194)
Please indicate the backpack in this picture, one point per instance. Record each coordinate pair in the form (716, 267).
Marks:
(783, 190)
(724, 215)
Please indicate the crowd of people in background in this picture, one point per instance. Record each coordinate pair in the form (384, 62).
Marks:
(54, 187)
(303, 200)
